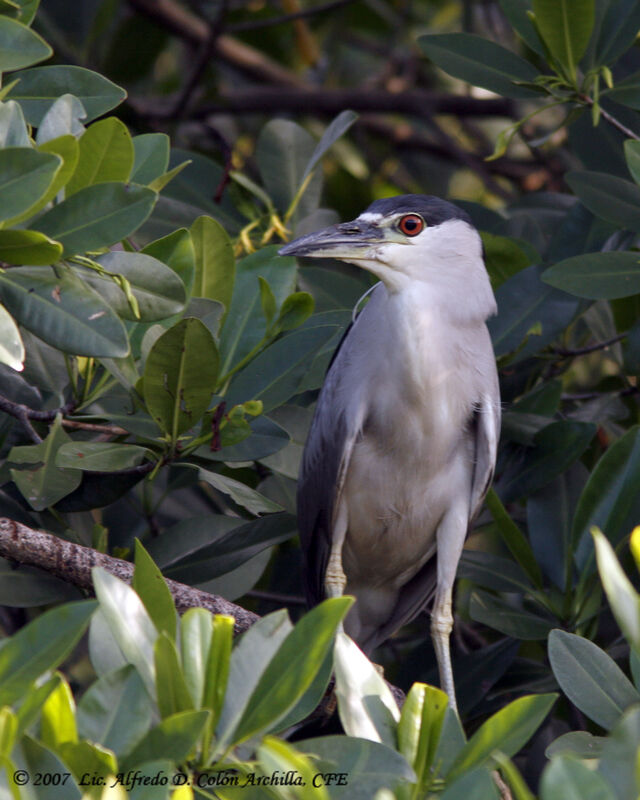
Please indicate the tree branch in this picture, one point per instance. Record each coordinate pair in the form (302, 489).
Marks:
(73, 563)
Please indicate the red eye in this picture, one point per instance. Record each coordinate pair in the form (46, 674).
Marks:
(411, 225)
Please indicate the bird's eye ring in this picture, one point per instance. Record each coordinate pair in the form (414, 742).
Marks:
(411, 225)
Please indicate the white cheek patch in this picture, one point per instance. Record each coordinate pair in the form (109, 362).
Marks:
(368, 216)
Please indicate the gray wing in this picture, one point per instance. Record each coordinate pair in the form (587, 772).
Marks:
(324, 464)
(484, 427)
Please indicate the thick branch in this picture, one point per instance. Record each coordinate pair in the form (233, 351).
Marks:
(73, 563)
(329, 102)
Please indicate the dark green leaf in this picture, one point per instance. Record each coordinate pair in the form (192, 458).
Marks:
(159, 291)
(151, 157)
(480, 62)
(41, 646)
(493, 572)
(617, 30)
(283, 151)
(176, 251)
(27, 587)
(632, 155)
(266, 438)
(180, 375)
(609, 197)
(233, 548)
(97, 216)
(507, 730)
(369, 766)
(245, 326)
(337, 128)
(25, 176)
(597, 275)
(43, 484)
(590, 678)
(610, 500)
(39, 760)
(565, 26)
(174, 739)
(618, 764)
(275, 375)
(115, 711)
(566, 778)
(20, 46)
(292, 669)
(503, 258)
(100, 456)
(59, 308)
(507, 618)
(239, 492)
(557, 446)
(516, 13)
(475, 785)
(40, 87)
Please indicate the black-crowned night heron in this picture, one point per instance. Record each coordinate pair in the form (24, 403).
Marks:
(402, 446)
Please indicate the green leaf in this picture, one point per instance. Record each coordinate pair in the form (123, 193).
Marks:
(97, 216)
(58, 719)
(283, 151)
(25, 175)
(610, 500)
(576, 743)
(508, 730)
(171, 688)
(565, 26)
(503, 258)
(277, 757)
(41, 646)
(623, 598)
(158, 290)
(41, 86)
(365, 704)
(245, 327)
(370, 766)
(11, 346)
(214, 261)
(619, 759)
(66, 147)
(513, 537)
(557, 446)
(154, 593)
(176, 251)
(129, 623)
(632, 156)
(336, 128)
(296, 310)
(267, 301)
(43, 484)
(28, 247)
(275, 375)
(115, 711)
(566, 778)
(590, 678)
(180, 375)
(20, 46)
(516, 12)
(106, 154)
(597, 276)
(151, 157)
(480, 62)
(475, 785)
(89, 761)
(208, 559)
(13, 128)
(420, 727)
(218, 664)
(526, 304)
(196, 635)
(507, 618)
(29, 587)
(292, 669)
(239, 492)
(57, 306)
(39, 760)
(249, 661)
(493, 572)
(174, 739)
(613, 199)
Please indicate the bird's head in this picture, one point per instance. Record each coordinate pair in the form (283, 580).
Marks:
(406, 239)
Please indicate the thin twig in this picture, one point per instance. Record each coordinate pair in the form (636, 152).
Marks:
(24, 415)
(111, 430)
(581, 351)
(610, 118)
(241, 27)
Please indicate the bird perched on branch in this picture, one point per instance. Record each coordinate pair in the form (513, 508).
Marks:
(402, 446)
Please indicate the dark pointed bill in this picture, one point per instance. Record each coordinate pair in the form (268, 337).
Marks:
(346, 240)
